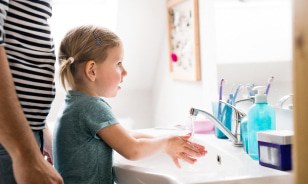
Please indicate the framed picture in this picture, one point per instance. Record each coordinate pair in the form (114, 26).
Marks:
(184, 49)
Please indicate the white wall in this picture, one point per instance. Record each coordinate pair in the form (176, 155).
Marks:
(139, 26)
(173, 98)
(253, 31)
(258, 73)
(141, 29)
(154, 99)
(68, 14)
(241, 41)
(254, 42)
(151, 98)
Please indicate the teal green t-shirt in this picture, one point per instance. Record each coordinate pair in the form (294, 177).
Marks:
(80, 156)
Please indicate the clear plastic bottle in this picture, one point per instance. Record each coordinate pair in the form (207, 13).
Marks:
(225, 117)
(244, 132)
(261, 116)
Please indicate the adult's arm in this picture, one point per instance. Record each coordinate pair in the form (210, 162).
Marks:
(17, 137)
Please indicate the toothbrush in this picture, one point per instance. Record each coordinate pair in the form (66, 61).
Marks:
(235, 94)
(220, 98)
(249, 88)
(270, 80)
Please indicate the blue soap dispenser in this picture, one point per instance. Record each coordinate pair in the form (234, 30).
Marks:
(261, 116)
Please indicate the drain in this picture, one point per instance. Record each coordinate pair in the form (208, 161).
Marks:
(218, 158)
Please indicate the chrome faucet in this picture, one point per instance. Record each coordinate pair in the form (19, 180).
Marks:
(250, 99)
(234, 137)
(283, 100)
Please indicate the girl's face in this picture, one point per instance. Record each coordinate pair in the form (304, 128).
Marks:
(110, 73)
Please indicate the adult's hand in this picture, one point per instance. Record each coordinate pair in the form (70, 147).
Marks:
(47, 150)
(35, 170)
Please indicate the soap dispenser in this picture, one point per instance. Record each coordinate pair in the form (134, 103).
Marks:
(261, 116)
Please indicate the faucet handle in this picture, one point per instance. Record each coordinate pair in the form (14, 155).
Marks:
(283, 99)
(192, 112)
(236, 110)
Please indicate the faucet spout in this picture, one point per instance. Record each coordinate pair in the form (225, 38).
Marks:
(235, 138)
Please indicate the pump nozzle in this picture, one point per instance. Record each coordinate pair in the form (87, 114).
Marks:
(260, 96)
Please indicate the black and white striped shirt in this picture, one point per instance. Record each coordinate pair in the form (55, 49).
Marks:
(25, 34)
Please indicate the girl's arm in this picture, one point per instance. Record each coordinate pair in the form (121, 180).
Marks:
(177, 147)
(139, 135)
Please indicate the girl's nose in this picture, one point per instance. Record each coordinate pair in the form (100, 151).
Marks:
(124, 72)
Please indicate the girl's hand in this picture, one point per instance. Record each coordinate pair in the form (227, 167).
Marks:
(179, 147)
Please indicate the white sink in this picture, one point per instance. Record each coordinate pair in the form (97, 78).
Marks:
(223, 163)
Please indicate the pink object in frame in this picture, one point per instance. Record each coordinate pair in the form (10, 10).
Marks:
(174, 57)
(204, 126)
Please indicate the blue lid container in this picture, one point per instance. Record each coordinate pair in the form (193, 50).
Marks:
(275, 149)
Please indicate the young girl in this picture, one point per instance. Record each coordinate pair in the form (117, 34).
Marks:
(87, 131)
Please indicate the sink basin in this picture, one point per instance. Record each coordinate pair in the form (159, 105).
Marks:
(224, 163)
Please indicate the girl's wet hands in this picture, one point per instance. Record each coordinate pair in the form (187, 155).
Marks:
(179, 147)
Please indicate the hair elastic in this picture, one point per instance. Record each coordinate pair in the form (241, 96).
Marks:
(70, 60)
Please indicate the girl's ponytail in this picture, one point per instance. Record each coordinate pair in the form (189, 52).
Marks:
(66, 73)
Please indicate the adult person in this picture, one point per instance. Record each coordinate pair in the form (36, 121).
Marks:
(26, 91)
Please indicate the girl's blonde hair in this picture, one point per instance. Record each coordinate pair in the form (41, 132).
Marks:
(83, 44)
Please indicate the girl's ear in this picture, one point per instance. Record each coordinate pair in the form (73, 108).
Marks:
(90, 70)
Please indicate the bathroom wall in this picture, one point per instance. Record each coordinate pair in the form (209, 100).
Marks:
(149, 97)
(174, 98)
(257, 45)
(138, 23)
(241, 41)
(140, 27)
(103, 13)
